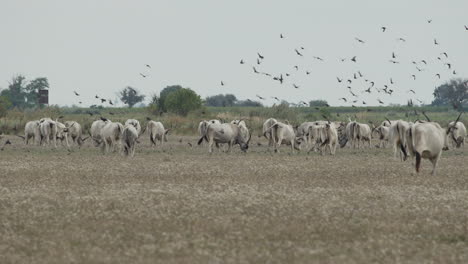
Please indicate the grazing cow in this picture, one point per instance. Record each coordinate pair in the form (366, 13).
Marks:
(426, 141)
(225, 133)
(95, 130)
(157, 132)
(457, 133)
(282, 133)
(303, 131)
(397, 137)
(75, 132)
(267, 133)
(32, 130)
(350, 134)
(129, 139)
(135, 123)
(111, 134)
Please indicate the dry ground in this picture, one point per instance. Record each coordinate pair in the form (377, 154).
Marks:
(180, 205)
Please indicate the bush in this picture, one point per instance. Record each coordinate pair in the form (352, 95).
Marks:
(4, 105)
(182, 101)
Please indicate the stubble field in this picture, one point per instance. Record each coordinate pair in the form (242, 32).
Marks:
(179, 204)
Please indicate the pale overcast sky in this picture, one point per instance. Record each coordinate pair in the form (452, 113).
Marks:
(101, 46)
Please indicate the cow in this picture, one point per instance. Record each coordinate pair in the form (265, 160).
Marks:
(111, 134)
(32, 130)
(383, 134)
(362, 133)
(135, 123)
(426, 140)
(397, 137)
(157, 132)
(457, 133)
(75, 132)
(52, 130)
(326, 135)
(267, 133)
(243, 127)
(204, 124)
(225, 133)
(129, 139)
(95, 130)
(302, 131)
(282, 133)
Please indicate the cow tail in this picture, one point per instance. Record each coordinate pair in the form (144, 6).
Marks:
(418, 161)
(151, 138)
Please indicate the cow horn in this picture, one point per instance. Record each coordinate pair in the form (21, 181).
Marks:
(428, 119)
(458, 118)
(388, 120)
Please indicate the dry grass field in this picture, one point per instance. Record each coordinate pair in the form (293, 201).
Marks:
(181, 205)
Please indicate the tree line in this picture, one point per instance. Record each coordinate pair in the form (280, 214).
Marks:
(23, 94)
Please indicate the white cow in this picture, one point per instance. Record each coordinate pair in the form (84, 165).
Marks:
(32, 130)
(397, 138)
(426, 141)
(362, 134)
(75, 132)
(204, 124)
(129, 139)
(327, 136)
(225, 133)
(157, 132)
(111, 134)
(95, 130)
(267, 133)
(457, 133)
(243, 127)
(282, 133)
(135, 123)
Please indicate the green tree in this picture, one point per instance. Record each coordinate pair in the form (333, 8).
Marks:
(182, 101)
(32, 91)
(221, 100)
(130, 96)
(319, 103)
(249, 103)
(454, 92)
(24, 95)
(163, 95)
(4, 105)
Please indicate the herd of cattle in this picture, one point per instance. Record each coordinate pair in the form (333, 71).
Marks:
(420, 139)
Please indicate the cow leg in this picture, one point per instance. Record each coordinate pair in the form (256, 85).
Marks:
(434, 162)
(210, 146)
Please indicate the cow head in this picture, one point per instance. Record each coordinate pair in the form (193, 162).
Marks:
(244, 145)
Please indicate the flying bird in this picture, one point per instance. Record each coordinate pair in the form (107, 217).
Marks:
(103, 100)
(438, 75)
(466, 27)
(435, 42)
(298, 53)
(318, 58)
(429, 21)
(142, 75)
(344, 99)
(339, 80)
(360, 40)
(445, 54)
(255, 70)
(260, 56)
(296, 67)
(276, 98)
(412, 91)
(360, 74)
(296, 86)
(281, 36)
(97, 97)
(391, 81)
(110, 102)
(380, 101)
(261, 98)
(414, 76)
(393, 55)
(353, 59)
(148, 66)
(394, 61)
(222, 83)
(448, 65)
(76, 93)
(383, 29)
(402, 39)
(423, 61)
(241, 61)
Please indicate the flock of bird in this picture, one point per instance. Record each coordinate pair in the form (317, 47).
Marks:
(356, 89)
(357, 85)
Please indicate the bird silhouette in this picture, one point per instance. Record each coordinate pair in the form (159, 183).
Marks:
(353, 59)
(360, 40)
(344, 99)
(318, 58)
(260, 56)
(383, 29)
(448, 65)
(349, 81)
(77, 94)
(454, 72)
(394, 61)
(360, 74)
(241, 61)
(438, 75)
(254, 69)
(296, 86)
(393, 55)
(445, 54)
(261, 98)
(103, 100)
(435, 42)
(424, 61)
(411, 91)
(142, 75)
(281, 36)
(80, 102)
(222, 83)
(380, 101)
(110, 102)
(296, 67)
(276, 98)
(307, 72)
(414, 76)
(368, 90)
(402, 39)
(148, 66)
(258, 61)
(97, 97)
(466, 27)
(429, 21)
(391, 81)
(298, 53)
(339, 80)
